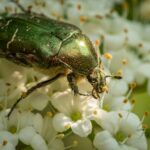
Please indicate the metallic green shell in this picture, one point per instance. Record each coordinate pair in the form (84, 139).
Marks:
(79, 54)
(31, 40)
(36, 41)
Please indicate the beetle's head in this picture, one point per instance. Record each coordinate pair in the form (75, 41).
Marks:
(97, 79)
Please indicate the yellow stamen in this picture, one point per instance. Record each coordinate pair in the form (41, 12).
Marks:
(95, 112)
(125, 101)
(120, 115)
(60, 136)
(4, 142)
(97, 42)
(132, 85)
(105, 89)
(145, 126)
(108, 56)
(140, 45)
(125, 30)
(133, 101)
(67, 126)
(119, 73)
(124, 61)
(98, 16)
(83, 19)
(49, 114)
(146, 114)
(79, 7)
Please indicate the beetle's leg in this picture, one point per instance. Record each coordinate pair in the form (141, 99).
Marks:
(32, 89)
(72, 83)
(95, 94)
(21, 7)
(72, 79)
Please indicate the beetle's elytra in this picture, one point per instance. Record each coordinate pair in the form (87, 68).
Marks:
(52, 47)
(38, 42)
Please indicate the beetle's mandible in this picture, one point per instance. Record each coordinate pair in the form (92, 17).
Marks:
(52, 47)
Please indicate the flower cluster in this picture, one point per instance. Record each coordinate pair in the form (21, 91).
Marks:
(52, 118)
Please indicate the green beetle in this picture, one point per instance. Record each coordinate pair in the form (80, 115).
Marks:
(52, 47)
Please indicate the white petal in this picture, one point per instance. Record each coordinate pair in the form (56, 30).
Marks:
(126, 147)
(61, 122)
(83, 143)
(8, 146)
(12, 138)
(2, 127)
(110, 122)
(128, 75)
(25, 119)
(38, 122)
(3, 89)
(38, 100)
(138, 140)
(129, 122)
(104, 141)
(139, 78)
(133, 37)
(47, 124)
(63, 101)
(121, 87)
(99, 114)
(38, 143)
(145, 69)
(82, 128)
(117, 103)
(91, 106)
(114, 42)
(56, 145)
(26, 134)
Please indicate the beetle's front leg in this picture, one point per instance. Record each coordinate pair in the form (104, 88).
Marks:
(72, 79)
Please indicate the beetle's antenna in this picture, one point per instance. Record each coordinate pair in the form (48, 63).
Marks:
(113, 76)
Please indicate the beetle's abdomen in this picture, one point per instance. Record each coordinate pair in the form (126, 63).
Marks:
(32, 40)
(26, 43)
(59, 29)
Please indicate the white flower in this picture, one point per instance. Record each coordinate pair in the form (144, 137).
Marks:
(8, 140)
(121, 87)
(78, 143)
(105, 141)
(37, 101)
(26, 134)
(38, 143)
(121, 128)
(74, 113)
(31, 129)
(78, 118)
(113, 103)
(144, 69)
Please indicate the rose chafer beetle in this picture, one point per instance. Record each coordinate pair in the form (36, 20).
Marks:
(52, 47)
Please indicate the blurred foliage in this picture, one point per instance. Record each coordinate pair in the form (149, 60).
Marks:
(142, 105)
(129, 9)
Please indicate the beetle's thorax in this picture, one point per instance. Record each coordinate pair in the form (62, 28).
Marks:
(78, 54)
